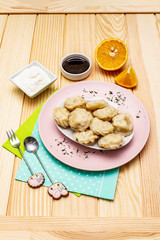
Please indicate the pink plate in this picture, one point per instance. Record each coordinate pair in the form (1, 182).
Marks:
(81, 157)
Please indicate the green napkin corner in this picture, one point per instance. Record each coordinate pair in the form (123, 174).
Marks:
(24, 131)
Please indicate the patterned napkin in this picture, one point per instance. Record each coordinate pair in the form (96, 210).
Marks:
(100, 184)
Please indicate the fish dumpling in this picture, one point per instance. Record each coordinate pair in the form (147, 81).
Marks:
(61, 116)
(100, 127)
(106, 113)
(111, 141)
(86, 137)
(79, 119)
(123, 124)
(93, 105)
(72, 103)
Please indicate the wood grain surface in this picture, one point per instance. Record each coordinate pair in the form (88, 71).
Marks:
(84, 224)
(149, 157)
(14, 54)
(47, 38)
(79, 228)
(79, 6)
(3, 20)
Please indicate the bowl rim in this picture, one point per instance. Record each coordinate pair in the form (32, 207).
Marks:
(75, 54)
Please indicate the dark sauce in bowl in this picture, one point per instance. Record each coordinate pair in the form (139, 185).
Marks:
(75, 65)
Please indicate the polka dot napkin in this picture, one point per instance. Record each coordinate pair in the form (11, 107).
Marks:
(100, 184)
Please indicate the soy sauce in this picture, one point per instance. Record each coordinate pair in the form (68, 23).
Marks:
(75, 65)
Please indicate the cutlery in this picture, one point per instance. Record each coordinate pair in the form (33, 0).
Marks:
(37, 179)
(56, 190)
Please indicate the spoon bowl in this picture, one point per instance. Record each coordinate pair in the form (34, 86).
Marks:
(31, 144)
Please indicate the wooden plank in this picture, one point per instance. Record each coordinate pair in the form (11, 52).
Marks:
(150, 52)
(93, 236)
(3, 20)
(17, 235)
(144, 50)
(79, 37)
(79, 30)
(46, 49)
(79, 6)
(14, 54)
(158, 21)
(90, 225)
(127, 200)
(30, 235)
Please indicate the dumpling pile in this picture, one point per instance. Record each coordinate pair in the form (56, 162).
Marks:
(92, 120)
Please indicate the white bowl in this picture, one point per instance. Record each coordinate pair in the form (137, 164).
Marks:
(51, 76)
(79, 76)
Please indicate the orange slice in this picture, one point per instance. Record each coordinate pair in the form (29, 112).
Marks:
(111, 54)
(127, 78)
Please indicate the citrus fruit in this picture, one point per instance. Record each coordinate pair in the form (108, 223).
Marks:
(127, 78)
(111, 54)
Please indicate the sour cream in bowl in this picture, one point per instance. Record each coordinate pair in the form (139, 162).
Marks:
(33, 79)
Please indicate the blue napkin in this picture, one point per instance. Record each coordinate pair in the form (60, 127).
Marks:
(100, 184)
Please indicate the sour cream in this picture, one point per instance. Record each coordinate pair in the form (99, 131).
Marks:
(32, 79)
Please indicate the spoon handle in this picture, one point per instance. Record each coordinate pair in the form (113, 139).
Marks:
(26, 161)
(56, 190)
(43, 167)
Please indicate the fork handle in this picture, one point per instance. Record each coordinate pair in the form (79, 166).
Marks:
(26, 161)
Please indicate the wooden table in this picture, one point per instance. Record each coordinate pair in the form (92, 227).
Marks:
(46, 35)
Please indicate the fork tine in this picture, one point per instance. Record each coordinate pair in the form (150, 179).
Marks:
(14, 134)
(8, 135)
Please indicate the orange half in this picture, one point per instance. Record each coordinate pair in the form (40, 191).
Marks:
(111, 54)
(127, 78)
